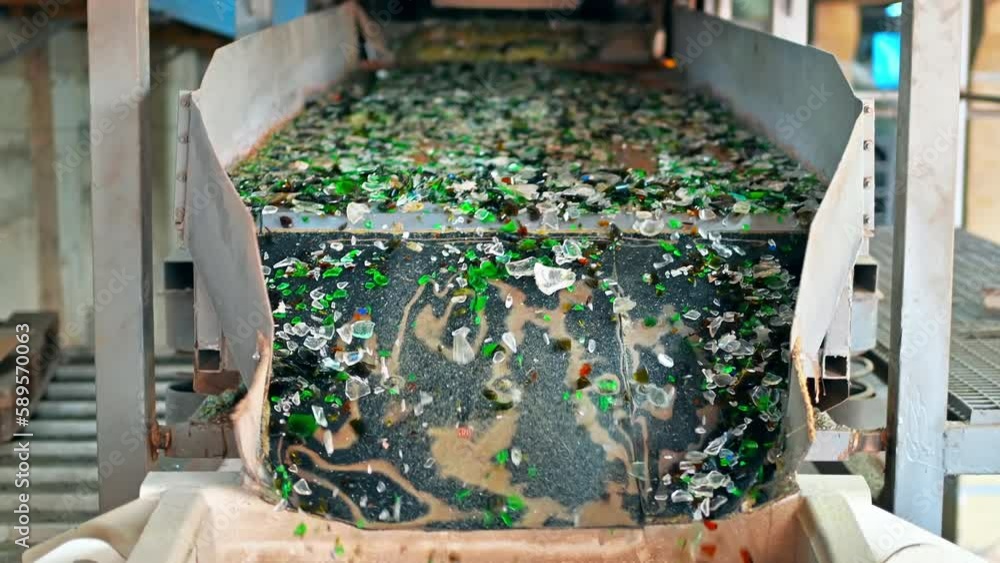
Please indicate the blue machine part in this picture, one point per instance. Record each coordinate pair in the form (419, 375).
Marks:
(288, 10)
(219, 16)
(885, 59)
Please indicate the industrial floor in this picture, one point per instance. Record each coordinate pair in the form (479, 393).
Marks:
(64, 454)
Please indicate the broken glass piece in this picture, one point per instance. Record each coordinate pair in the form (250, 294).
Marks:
(771, 380)
(550, 280)
(356, 212)
(680, 496)
(715, 446)
(714, 325)
(462, 352)
(363, 329)
(301, 487)
(649, 227)
(351, 358)
(314, 343)
(328, 441)
(319, 415)
(521, 268)
(665, 360)
(509, 341)
(346, 333)
(515, 456)
(356, 388)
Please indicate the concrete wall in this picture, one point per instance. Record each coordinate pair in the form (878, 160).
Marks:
(18, 233)
(173, 68)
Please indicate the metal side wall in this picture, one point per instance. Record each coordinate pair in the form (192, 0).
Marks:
(798, 97)
(249, 89)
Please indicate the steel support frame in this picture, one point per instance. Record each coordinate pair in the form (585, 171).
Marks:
(923, 255)
(118, 52)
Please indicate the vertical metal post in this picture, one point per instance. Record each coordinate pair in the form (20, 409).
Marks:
(923, 256)
(790, 20)
(724, 9)
(118, 51)
(965, 67)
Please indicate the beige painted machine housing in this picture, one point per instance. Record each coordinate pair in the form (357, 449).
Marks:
(258, 82)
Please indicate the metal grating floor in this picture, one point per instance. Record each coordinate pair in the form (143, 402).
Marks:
(974, 383)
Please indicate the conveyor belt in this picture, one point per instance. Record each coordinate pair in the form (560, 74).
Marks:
(974, 383)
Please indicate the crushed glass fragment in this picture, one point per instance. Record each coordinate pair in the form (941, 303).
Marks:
(356, 212)
(328, 442)
(319, 415)
(665, 360)
(680, 495)
(313, 343)
(509, 341)
(515, 456)
(356, 388)
(771, 380)
(521, 268)
(301, 487)
(462, 352)
(363, 329)
(550, 280)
